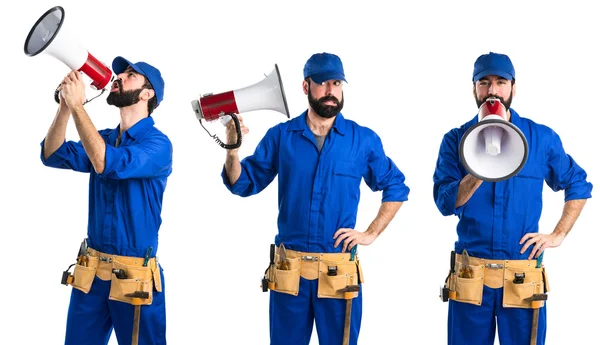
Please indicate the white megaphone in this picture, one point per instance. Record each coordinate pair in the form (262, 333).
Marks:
(267, 94)
(494, 149)
(46, 36)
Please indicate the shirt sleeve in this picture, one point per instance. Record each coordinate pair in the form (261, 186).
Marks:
(259, 169)
(70, 155)
(383, 175)
(564, 174)
(447, 176)
(151, 157)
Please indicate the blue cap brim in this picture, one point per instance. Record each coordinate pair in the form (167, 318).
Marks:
(325, 76)
(492, 71)
(120, 64)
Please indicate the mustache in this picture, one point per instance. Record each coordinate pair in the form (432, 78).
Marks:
(329, 98)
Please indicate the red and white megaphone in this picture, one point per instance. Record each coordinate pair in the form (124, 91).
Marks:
(494, 149)
(46, 36)
(267, 94)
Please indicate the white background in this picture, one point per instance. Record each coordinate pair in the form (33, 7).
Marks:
(409, 70)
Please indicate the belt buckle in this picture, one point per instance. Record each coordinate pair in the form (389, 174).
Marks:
(494, 266)
(105, 259)
(310, 258)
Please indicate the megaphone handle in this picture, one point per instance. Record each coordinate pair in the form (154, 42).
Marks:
(238, 131)
(56, 94)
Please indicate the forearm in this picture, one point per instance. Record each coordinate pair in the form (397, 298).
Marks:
(57, 131)
(468, 185)
(233, 167)
(571, 212)
(92, 142)
(386, 213)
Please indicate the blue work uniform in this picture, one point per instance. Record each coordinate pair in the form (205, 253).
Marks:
(318, 194)
(494, 220)
(125, 204)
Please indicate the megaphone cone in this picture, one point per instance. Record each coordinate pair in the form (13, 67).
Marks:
(494, 149)
(47, 36)
(268, 94)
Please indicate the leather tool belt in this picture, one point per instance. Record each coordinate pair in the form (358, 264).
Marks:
(334, 271)
(130, 279)
(521, 280)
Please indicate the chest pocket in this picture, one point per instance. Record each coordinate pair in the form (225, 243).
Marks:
(345, 186)
(527, 189)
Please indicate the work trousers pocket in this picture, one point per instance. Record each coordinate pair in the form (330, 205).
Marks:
(521, 283)
(469, 290)
(84, 273)
(288, 280)
(136, 288)
(334, 276)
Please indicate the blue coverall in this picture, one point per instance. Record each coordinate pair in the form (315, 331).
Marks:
(318, 194)
(494, 220)
(125, 204)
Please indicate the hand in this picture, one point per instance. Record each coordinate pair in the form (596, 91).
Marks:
(542, 241)
(231, 133)
(72, 90)
(352, 237)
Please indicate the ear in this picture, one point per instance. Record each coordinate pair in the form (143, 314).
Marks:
(514, 90)
(474, 92)
(147, 94)
(305, 87)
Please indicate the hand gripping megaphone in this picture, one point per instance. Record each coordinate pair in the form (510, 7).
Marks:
(46, 36)
(493, 149)
(266, 94)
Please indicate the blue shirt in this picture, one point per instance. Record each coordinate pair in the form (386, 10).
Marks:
(125, 201)
(498, 214)
(318, 191)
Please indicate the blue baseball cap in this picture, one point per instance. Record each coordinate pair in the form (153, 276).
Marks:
(120, 64)
(493, 64)
(324, 66)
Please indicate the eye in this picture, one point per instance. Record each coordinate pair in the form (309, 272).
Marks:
(337, 83)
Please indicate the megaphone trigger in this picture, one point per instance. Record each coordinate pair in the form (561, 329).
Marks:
(225, 119)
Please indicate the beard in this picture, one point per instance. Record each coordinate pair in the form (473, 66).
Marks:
(505, 103)
(324, 110)
(122, 99)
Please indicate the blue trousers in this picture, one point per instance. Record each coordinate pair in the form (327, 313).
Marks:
(92, 317)
(469, 324)
(292, 317)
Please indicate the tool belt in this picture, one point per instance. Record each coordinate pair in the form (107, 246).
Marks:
(521, 280)
(334, 271)
(131, 281)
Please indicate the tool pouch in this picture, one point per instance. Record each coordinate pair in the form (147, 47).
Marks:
(522, 283)
(140, 280)
(336, 275)
(83, 273)
(286, 280)
(467, 290)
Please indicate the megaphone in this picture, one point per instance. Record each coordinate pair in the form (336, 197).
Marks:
(46, 36)
(267, 94)
(494, 149)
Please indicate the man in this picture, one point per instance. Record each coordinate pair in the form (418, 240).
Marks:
(498, 253)
(320, 158)
(128, 168)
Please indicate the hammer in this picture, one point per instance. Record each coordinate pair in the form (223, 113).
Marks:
(348, 292)
(536, 303)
